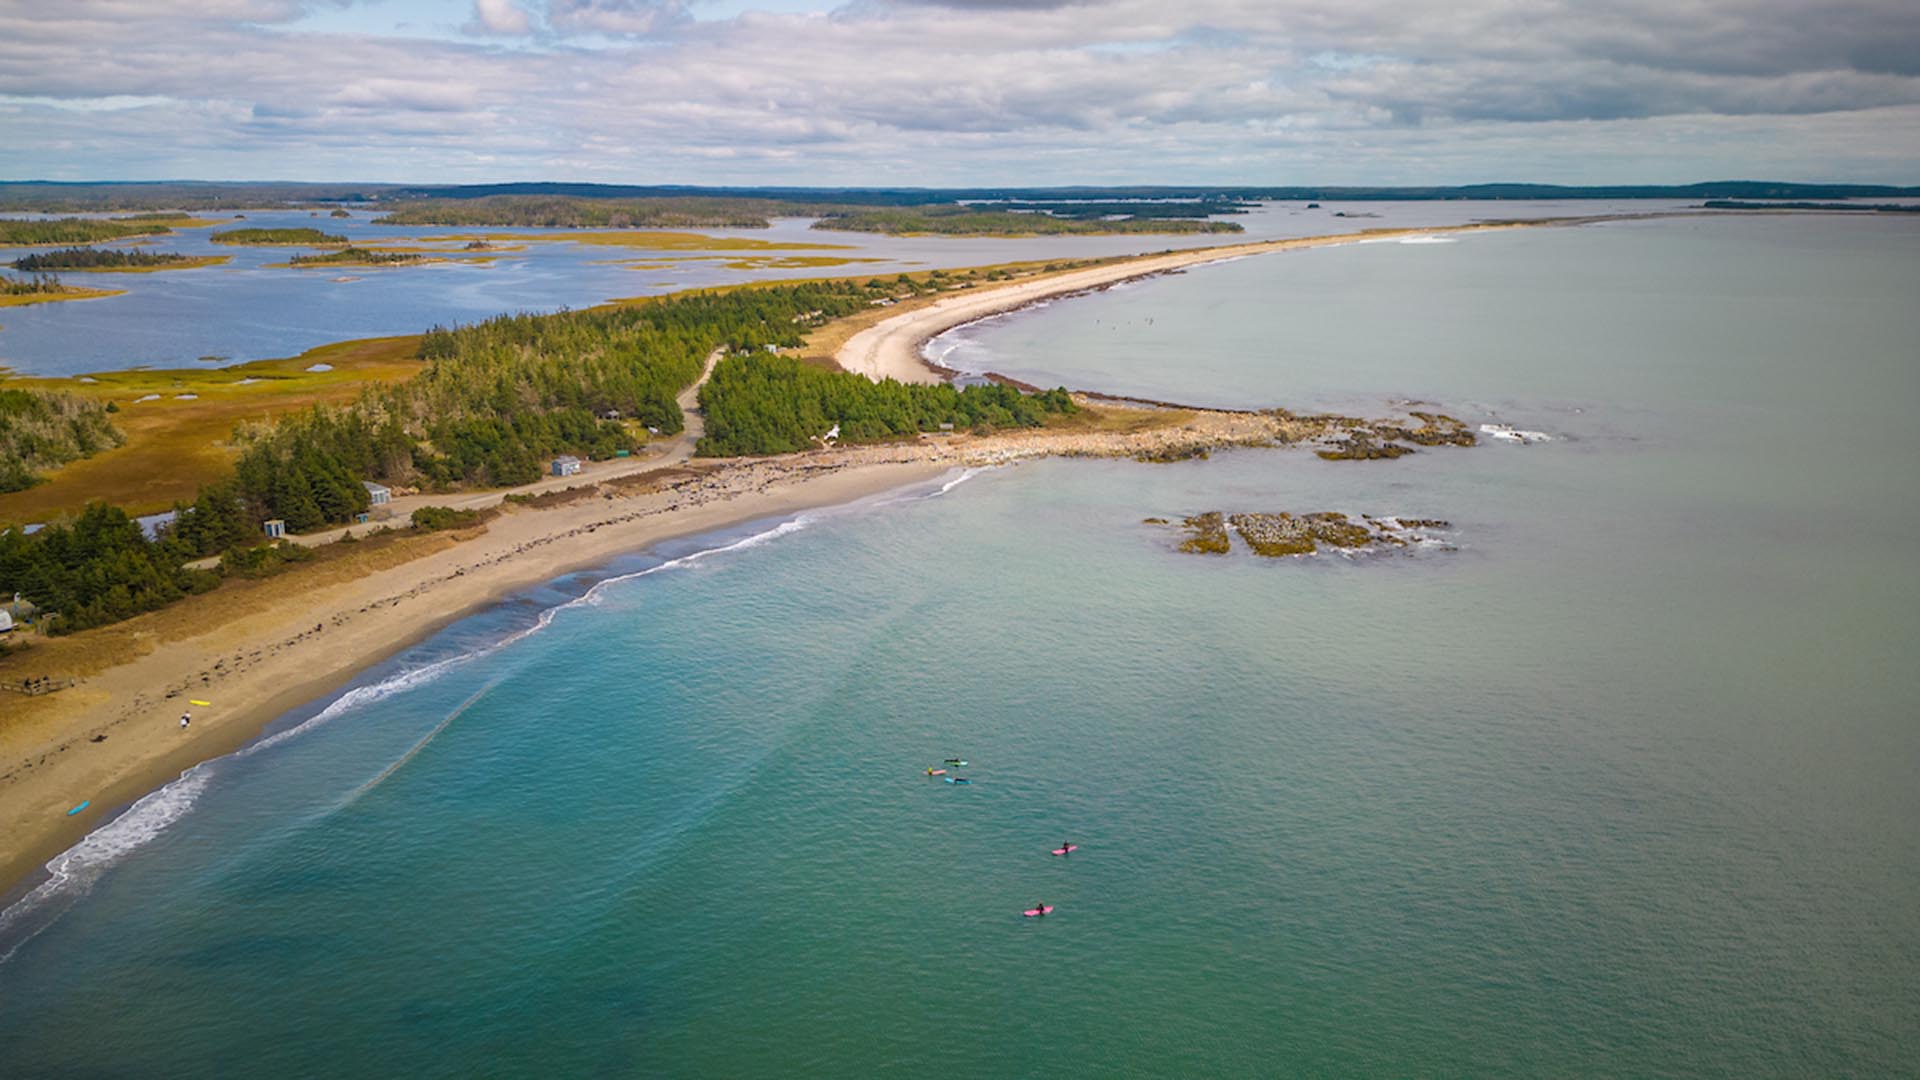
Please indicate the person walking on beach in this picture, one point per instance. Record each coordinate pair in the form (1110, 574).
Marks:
(185, 719)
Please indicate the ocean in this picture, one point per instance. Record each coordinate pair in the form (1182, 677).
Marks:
(1618, 781)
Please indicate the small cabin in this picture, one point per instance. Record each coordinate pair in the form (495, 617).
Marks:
(377, 494)
(609, 414)
(275, 528)
(566, 465)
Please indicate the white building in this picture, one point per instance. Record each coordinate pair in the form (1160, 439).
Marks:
(377, 494)
(566, 465)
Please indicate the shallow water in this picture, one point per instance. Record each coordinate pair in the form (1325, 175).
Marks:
(1621, 786)
(244, 310)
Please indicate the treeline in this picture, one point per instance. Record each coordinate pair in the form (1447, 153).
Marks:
(41, 430)
(86, 258)
(17, 233)
(33, 286)
(974, 221)
(98, 569)
(1883, 208)
(355, 256)
(274, 236)
(565, 212)
(777, 404)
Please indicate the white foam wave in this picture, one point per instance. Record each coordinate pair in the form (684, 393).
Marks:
(1428, 240)
(73, 871)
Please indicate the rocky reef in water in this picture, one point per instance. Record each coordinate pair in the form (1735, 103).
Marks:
(1278, 535)
(1366, 440)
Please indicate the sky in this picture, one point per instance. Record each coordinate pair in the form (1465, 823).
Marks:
(961, 92)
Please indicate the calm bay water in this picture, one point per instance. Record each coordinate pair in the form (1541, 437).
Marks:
(1622, 786)
(243, 310)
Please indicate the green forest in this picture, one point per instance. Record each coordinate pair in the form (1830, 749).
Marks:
(776, 404)
(40, 430)
(86, 258)
(17, 233)
(274, 236)
(97, 569)
(975, 221)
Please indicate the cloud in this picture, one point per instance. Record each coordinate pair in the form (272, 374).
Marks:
(502, 17)
(972, 91)
(618, 18)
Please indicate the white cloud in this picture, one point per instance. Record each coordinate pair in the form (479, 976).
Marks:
(499, 17)
(975, 91)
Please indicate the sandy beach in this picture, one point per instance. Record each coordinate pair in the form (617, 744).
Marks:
(256, 652)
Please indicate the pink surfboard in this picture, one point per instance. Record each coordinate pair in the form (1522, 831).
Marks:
(1064, 850)
(1032, 912)
(936, 772)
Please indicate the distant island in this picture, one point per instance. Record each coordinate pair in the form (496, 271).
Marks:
(18, 233)
(276, 237)
(1882, 208)
(108, 260)
(1033, 220)
(45, 288)
(356, 256)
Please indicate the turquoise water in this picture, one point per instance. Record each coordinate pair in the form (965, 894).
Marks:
(1624, 785)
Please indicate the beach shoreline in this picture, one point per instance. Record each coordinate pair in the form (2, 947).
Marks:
(265, 661)
(256, 669)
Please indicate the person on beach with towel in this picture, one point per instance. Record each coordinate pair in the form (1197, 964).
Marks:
(185, 719)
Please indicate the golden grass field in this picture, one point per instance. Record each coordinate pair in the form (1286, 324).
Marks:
(174, 446)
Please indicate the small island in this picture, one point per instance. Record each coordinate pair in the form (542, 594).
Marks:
(45, 289)
(109, 261)
(277, 237)
(356, 256)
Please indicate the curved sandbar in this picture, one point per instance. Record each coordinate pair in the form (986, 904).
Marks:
(890, 349)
